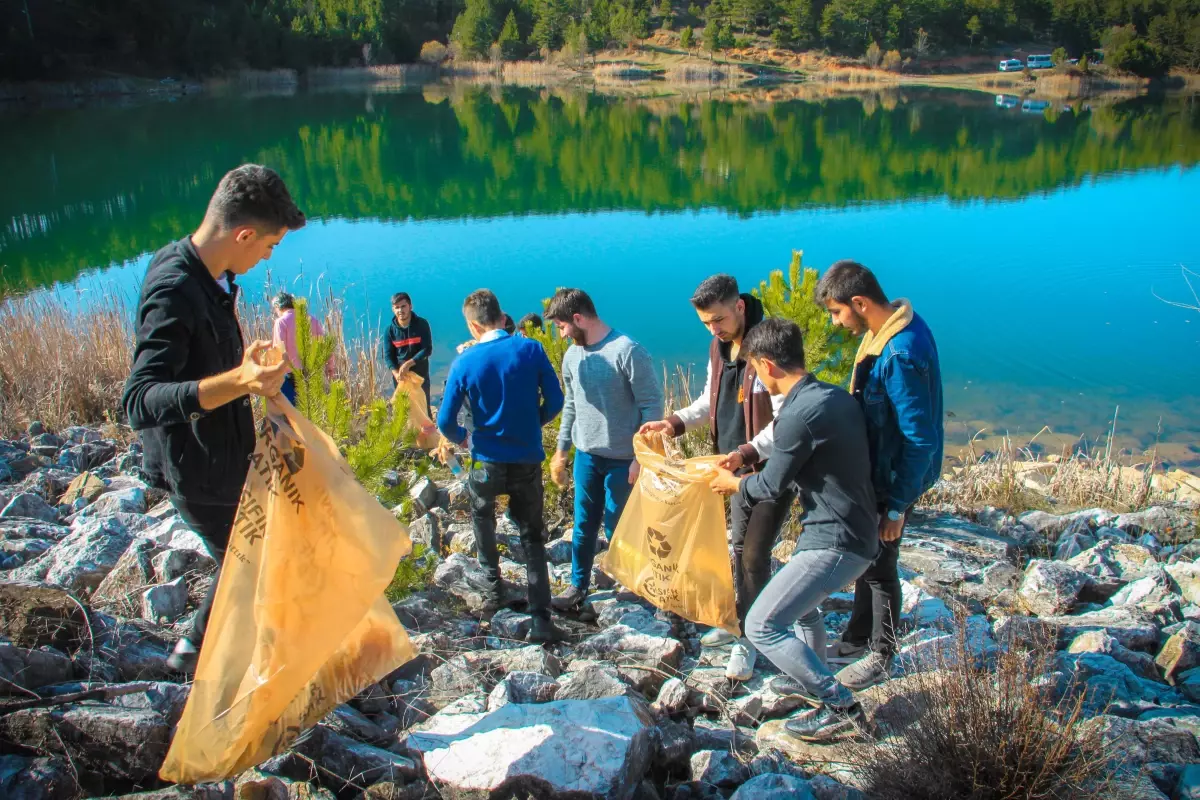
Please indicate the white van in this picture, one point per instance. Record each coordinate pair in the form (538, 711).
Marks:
(1039, 62)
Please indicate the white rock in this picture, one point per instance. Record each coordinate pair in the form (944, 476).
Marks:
(165, 602)
(597, 748)
(80, 561)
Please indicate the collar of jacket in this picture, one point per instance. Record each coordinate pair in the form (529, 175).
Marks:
(198, 269)
(872, 344)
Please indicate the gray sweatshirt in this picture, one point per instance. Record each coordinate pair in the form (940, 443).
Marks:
(821, 446)
(611, 389)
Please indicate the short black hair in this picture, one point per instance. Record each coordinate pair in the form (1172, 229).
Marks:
(284, 300)
(398, 297)
(721, 289)
(509, 325)
(529, 319)
(777, 339)
(482, 308)
(254, 195)
(847, 279)
(566, 303)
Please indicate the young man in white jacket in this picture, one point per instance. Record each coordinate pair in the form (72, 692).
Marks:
(739, 412)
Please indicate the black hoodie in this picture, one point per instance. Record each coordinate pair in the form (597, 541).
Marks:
(414, 342)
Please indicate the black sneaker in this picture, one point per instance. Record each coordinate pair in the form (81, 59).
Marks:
(543, 631)
(570, 600)
(786, 686)
(184, 657)
(828, 724)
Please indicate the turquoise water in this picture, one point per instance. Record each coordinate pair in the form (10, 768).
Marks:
(1038, 280)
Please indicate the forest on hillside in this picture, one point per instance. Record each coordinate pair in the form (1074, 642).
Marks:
(55, 38)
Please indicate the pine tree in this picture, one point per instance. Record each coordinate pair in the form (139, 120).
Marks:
(828, 349)
(376, 440)
(474, 30)
(685, 38)
(510, 38)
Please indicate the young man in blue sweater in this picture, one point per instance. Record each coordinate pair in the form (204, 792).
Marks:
(898, 383)
(512, 391)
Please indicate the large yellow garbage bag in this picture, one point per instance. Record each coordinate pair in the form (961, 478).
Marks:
(418, 420)
(669, 546)
(299, 623)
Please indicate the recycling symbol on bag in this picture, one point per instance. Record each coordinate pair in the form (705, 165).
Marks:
(658, 543)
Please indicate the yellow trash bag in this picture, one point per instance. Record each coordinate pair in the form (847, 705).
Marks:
(418, 419)
(669, 546)
(299, 623)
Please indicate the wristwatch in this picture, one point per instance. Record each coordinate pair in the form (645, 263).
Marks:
(894, 515)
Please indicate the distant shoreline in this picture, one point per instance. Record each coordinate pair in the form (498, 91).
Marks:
(657, 69)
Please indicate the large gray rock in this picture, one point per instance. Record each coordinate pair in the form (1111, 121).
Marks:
(1108, 681)
(522, 687)
(1143, 741)
(672, 697)
(511, 625)
(959, 539)
(1100, 642)
(122, 743)
(1155, 590)
(773, 786)
(418, 613)
(1186, 575)
(464, 578)
(120, 593)
(165, 602)
(81, 561)
(1112, 564)
(36, 779)
(31, 506)
(565, 749)
(350, 763)
(1181, 652)
(1132, 627)
(32, 669)
(126, 501)
(1188, 787)
(718, 768)
(592, 680)
(1052, 587)
(624, 645)
(477, 672)
(1162, 522)
(34, 616)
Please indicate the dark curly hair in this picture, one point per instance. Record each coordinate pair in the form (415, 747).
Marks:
(254, 195)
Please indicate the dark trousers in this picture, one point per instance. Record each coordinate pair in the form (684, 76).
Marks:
(755, 529)
(523, 485)
(877, 602)
(213, 523)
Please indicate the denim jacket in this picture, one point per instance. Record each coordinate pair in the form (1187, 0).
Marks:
(900, 391)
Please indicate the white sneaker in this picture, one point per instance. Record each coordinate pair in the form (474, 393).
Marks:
(717, 637)
(740, 666)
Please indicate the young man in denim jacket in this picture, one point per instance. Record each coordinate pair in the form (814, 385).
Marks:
(898, 382)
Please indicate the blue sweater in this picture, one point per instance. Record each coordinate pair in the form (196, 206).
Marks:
(512, 391)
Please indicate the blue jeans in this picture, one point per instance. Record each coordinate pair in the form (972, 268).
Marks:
(601, 489)
(792, 596)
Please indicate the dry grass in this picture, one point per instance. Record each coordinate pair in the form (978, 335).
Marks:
(66, 365)
(697, 73)
(386, 73)
(679, 389)
(1015, 478)
(60, 365)
(984, 728)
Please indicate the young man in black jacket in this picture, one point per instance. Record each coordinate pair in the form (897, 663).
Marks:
(408, 343)
(187, 393)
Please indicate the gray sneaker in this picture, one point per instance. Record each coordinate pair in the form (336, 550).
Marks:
(787, 686)
(840, 652)
(866, 672)
(717, 637)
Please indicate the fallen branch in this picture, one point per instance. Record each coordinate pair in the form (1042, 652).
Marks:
(103, 693)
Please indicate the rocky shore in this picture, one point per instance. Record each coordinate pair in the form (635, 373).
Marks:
(98, 575)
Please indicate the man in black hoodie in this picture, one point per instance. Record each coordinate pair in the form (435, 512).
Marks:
(187, 393)
(738, 410)
(408, 343)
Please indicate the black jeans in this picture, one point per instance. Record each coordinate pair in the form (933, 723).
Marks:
(755, 529)
(877, 602)
(212, 523)
(523, 485)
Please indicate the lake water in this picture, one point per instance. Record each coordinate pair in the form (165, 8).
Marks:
(1033, 243)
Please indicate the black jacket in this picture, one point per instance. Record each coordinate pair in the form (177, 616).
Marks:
(187, 330)
(415, 342)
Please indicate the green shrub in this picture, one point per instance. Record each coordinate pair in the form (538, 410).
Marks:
(874, 55)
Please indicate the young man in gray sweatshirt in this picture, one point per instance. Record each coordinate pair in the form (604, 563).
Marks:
(611, 390)
(820, 448)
